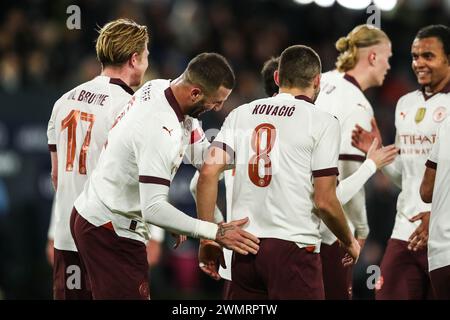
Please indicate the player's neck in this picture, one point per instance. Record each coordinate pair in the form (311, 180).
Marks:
(362, 77)
(118, 73)
(438, 86)
(181, 92)
(309, 92)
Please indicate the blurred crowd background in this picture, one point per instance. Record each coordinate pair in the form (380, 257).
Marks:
(40, 59)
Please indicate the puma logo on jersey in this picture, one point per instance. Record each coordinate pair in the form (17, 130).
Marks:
(169, 131)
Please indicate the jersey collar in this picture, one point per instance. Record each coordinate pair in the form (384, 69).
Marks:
(446, 89)
(299, 97)
(174, 103)
(122, 84)
(303, 97)
(352, 80)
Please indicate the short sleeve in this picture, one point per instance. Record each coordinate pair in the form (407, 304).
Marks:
(155, 149)
(51, 130)
(225, 139)
(198, 145)
(434, 154)
(326, 150)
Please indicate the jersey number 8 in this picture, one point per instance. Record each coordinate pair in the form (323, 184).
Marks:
(260, 165)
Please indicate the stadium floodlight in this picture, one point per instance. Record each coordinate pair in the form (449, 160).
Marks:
(325, 3)
(355, 4)
(303, 1)
(385, 5)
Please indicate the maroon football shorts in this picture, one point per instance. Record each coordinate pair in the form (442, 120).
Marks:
(280, 270)
(70, 281)
(337, 279)
(440, 281)
(116, 266)
(404, 273)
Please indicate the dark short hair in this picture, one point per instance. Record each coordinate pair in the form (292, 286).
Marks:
(210, 71)
(437, 31)
(269, 67)
(298, 66)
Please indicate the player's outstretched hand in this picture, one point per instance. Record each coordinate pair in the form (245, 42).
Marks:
(231, 236)
(210, 255)
(419, 238)
(362, 139)
(352, 255)
(381, 156)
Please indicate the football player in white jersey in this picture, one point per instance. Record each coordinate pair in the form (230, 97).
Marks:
(77, 131)
(346, 189)
(404, 269)
(435, 190)
(130, 185)
(285, 153)
(362, 63)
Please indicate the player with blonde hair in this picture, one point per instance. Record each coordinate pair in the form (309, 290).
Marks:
(362, 63)
(77, 131)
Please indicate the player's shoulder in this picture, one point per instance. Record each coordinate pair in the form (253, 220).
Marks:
(407, 99)
(332, 75)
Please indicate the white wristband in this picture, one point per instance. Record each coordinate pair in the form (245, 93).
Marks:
(206, 230)
(370, 165)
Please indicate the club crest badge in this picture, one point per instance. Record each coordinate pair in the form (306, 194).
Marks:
(420, 114)
(439, 114)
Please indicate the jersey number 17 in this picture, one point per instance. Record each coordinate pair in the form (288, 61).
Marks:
(70, 122)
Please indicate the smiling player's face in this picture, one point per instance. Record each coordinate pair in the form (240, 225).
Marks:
(429, 62)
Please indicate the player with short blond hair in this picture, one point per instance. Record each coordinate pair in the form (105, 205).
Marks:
(362, 63)
(77, 131)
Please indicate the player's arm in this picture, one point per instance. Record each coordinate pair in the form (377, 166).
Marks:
(394, 170)
(154, 245)
(332, 214)
(427, 185)
(218, 216)
(54, 172)
(154, 154)
(324, 171)
(419, 238)
(362, 140)
(51, 236)
(376, 159)
(52, 139)
(158, 211)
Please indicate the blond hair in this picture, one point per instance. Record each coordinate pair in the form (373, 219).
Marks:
(118, 40)
(362, 36)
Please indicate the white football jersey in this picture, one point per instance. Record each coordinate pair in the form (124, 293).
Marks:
(77, 130)
(146, 145)
(417, 118)
(342, 97)
(279, 144)
(439, 230)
